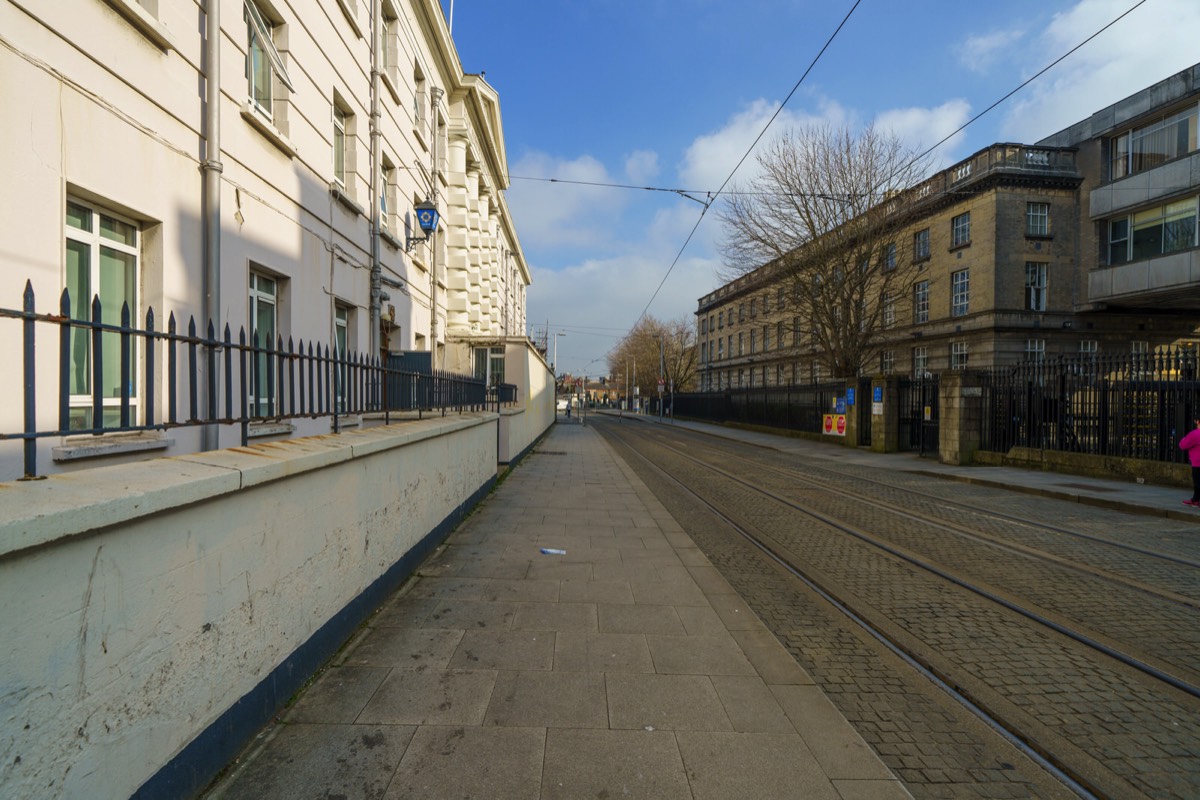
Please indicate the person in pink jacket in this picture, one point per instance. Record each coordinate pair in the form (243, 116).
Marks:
(1191, 443)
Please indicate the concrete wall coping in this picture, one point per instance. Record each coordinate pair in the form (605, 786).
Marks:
(35, 513)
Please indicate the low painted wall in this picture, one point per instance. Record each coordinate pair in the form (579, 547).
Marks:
(157, 614)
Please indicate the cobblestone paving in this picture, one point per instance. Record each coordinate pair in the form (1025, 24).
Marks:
(1133, 736)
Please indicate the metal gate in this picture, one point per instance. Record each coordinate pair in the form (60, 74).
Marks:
(864, 413)
(919, 415)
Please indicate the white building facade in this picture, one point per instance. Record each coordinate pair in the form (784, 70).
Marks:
(277, 197)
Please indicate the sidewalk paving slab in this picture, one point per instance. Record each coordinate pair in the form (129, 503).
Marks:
(624, 667)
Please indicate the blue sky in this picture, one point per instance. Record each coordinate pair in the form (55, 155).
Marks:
(671, 93)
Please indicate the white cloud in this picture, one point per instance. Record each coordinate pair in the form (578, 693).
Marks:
(1154, 41)
(922, 128)
(709, 159)
(569, 298)
(981, 53)
(641, 166)
(569, 213)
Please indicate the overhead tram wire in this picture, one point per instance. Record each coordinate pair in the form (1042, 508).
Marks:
(714, 195)
(1030, 80)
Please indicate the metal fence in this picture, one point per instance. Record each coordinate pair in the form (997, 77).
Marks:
(799, 408)
(112, 378)
(1129, 405)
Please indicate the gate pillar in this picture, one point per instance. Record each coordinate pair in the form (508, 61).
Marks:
(960, 397)
(885, 413)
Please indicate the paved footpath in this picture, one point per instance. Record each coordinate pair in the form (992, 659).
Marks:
(623, 666)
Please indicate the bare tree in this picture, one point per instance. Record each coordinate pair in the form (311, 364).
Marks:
(823, 218)
(656, 348)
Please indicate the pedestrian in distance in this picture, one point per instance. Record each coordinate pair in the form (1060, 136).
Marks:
(1191, 443)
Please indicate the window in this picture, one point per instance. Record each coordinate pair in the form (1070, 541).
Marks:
(741, 345)
(741, 312)
(703, 326)
(339, 145)
(1156, 231)
(264, 330)
(766, 303)
(741, 377)
(102, 254)
(1089, 347)
(1153, 144)
(489, 365)
(766, 338)
(921, 302)
(960, 292)
(721, 319)
(780, 298)
(887, 362)
(889, 310)
(389, 48)
(387, 193)
(779, 334)
(720, 349)
(960, 230)
(920, 358)
(889, 257)
(1118, 241)
(341, 341)
(753, 341)
(711, 318)
(753, 308)
(1035, 286)
(921, 245)
(1035, 350)
(958, 355)
(796, 330)
(1037, 219)
(264, 64)
(729, 345)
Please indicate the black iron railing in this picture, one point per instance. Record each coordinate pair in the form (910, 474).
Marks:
(241, 382)
(1129, 405)
(799, 408)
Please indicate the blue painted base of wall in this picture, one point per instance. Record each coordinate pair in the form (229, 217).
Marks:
(217, 746)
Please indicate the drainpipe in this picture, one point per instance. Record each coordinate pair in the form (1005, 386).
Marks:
(374, 338)
(435, 94)
(211, 169)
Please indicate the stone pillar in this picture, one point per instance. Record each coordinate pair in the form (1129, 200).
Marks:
(960, 415)
(885, 426)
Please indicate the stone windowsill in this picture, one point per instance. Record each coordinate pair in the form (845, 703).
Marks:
(146, 23)
(345, 199)
(260, 429)
(82, 447)
(267, 129)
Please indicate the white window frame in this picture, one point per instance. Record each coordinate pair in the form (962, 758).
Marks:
(263, 292)
(887, 362)
(1037, 219)
(341, 346)
(960, 293)
(920, 302)
(262, 30)
(920, 359)
(921, 245)
(960, 230)
(960, 355)
(339, 144)
(1035, 350)
(1037, 285)
(95, 243)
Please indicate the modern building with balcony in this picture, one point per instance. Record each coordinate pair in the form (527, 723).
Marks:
(1083, 243)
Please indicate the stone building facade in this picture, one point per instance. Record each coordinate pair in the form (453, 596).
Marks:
(264, 176)
(1013, 258)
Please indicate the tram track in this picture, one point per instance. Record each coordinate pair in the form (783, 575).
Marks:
(1083, 772)
(1117, 623)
